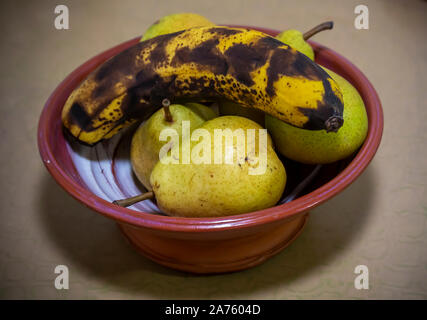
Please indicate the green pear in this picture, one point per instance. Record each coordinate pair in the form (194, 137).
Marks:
(145, 146)
(317, 147)
(295, 39)
(209, 187)
(174, 23)
(298, 40)
(229, 108)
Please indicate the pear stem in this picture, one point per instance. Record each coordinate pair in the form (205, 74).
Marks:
(301, 186)
(323, 26)
(168, 115)
(130, 201)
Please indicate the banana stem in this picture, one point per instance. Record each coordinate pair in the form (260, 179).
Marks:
(168, 115)
(130, 201)
(323, 26)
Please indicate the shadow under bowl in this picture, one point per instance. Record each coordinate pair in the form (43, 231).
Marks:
(211, 245)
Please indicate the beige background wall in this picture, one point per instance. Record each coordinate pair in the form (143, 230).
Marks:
(380, 221)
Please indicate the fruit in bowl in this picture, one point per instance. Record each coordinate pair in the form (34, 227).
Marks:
(313, 147)
(202, 245)
(250, 181)
(146, 144)
(175, 22)
(212, 63)
(245, 66)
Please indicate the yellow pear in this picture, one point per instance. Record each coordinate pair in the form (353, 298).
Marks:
(145, 146)
(174, 23)
(316, 147)
(222, 179)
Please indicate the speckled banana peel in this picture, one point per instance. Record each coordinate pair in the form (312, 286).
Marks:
(245, 66)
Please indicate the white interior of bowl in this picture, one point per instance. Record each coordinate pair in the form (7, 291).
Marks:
(107, 172)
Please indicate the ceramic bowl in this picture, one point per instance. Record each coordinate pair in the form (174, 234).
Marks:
(98, 175)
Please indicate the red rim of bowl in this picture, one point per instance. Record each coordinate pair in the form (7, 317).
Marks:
(178, 224)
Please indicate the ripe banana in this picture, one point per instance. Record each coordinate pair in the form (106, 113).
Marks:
(245, 66)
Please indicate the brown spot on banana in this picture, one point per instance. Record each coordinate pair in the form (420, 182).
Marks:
(244, 66)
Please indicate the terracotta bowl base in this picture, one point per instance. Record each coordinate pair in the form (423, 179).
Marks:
(214, 255)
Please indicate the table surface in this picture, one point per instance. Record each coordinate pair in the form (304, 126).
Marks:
(380, 221)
